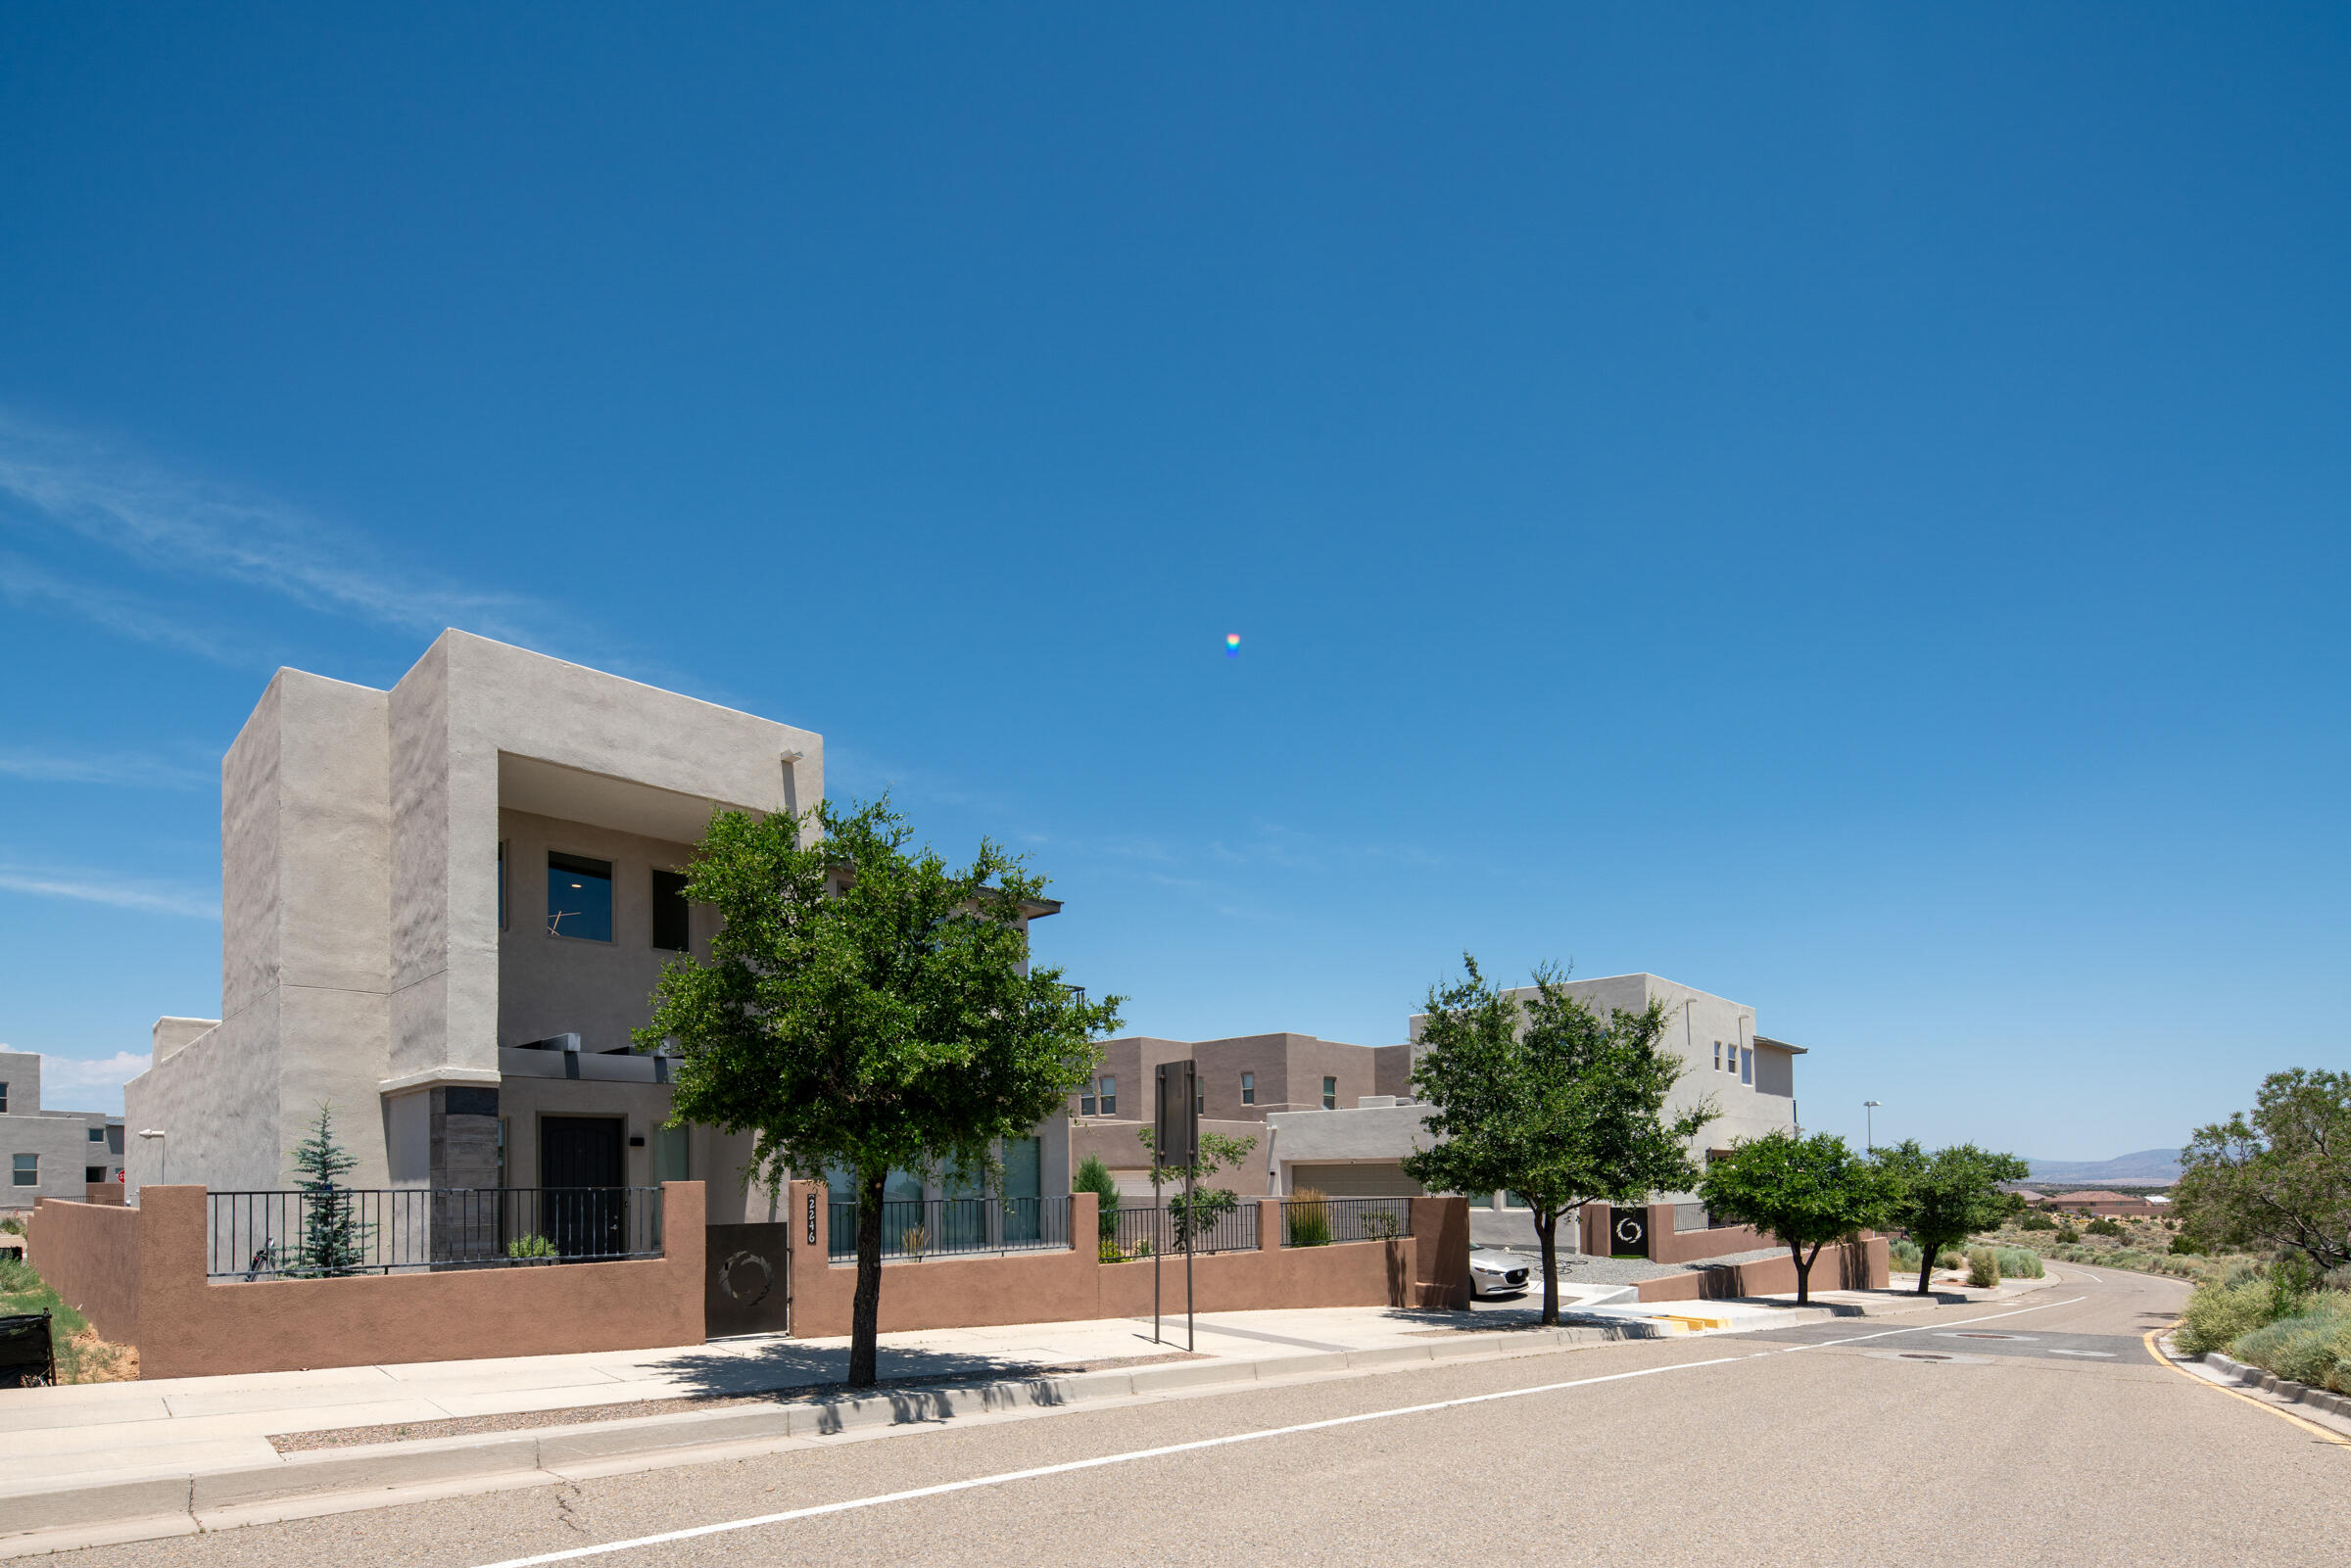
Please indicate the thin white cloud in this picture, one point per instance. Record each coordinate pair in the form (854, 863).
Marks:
(100, 887)
(67, 1081)
(25, 584)
(171, 522)
(101, 768)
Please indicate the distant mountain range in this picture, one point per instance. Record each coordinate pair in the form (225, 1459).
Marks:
(2149, 1165)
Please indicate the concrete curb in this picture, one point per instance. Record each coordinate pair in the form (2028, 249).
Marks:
(151, 1504)
(2285, 1390)
(161, 1503)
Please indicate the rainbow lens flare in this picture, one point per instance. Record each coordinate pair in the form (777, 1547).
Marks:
(1233, 644)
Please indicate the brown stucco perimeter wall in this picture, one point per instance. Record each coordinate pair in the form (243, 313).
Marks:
(1858, 1266)
(1428, 1268)
(187, 1326)
(89, 1254)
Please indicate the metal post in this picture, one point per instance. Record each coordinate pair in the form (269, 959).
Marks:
(1191, 1215)
(1156, 1248)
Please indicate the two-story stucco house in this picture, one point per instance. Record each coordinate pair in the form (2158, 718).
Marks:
(443, 908)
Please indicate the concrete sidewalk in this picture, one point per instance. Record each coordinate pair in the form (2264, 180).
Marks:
(157, 1457)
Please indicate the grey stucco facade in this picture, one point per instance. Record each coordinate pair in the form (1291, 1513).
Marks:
(49, 1154)
(384, 948)
(388, 947)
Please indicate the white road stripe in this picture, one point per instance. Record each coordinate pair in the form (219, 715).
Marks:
(1005, 1478)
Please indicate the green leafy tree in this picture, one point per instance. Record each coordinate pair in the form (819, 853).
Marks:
(1941, 1199)
(334, 1239)
(867, 1007)
(1805, 1192)
(2278, 1179)
(1549, 1101)
(1205, 1205)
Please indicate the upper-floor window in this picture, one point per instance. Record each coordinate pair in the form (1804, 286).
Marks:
(1248, 1088)
(1330, 1094)
(669, 910)
(1110, 1097)
(1085, 1101)
(97, 1135)
(579, 897)
(1746, 1065)
(3, 1099)
(26, 1170)
(1718, 1056)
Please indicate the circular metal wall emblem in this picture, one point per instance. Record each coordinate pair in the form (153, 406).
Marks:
(753, 1270)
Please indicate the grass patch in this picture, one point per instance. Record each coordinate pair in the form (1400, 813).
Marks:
(81, 1355)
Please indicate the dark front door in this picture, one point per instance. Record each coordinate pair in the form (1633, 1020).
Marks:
(581, 1208)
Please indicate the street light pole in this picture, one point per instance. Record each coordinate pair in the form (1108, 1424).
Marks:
(1869, 1111)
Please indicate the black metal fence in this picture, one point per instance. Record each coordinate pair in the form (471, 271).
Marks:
(307, 1235)
(1141, 1232)
(916, 1229)
(1319, 1221)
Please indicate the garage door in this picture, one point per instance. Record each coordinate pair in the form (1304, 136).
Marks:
(1355, 1181)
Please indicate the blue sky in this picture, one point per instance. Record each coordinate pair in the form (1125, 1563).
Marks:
(1842, 508)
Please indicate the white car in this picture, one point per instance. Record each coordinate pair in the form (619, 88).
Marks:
(1493, 1272)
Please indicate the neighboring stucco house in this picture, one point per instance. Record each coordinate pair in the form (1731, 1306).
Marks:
(1357, 1153)
(443, 908)
(1241, 1080)
(53, 1153)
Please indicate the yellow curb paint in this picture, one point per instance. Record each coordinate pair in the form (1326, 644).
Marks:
(2335, 1437)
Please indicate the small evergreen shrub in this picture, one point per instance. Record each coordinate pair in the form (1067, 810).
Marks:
(2018, 1263)
(2181, 1247)
(1983, 1268)
(2030, 1221)
(2106, 1227)
(1902, 1255)
(2068, 1236)
(530, 1247)
(1094, 1176)
(1950, 1258)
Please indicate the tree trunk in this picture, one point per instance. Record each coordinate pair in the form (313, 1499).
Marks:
(1803, 1273)
(865, 1310)
(1547, 1232)
(1926, 1267)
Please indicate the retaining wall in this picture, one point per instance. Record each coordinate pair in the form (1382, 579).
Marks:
(1860, 1265)
(1430, 1268)
(138, 1275)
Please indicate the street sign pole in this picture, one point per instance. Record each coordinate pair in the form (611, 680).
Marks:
(1175, 1145)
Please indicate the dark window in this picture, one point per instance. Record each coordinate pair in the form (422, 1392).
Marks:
(1110, 1097)
(579, 897)
(3, 1099)
(1330, 1094)
(669, 910)
(93, 1173)
(1085, 1102)
(1248, 1088)
(1718, 1056)
(97, 1135)
(501, 885)
(26, 1170)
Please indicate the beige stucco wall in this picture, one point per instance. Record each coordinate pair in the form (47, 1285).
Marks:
(549, 984)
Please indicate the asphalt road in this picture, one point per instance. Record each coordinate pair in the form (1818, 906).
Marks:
(1915, 1440)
